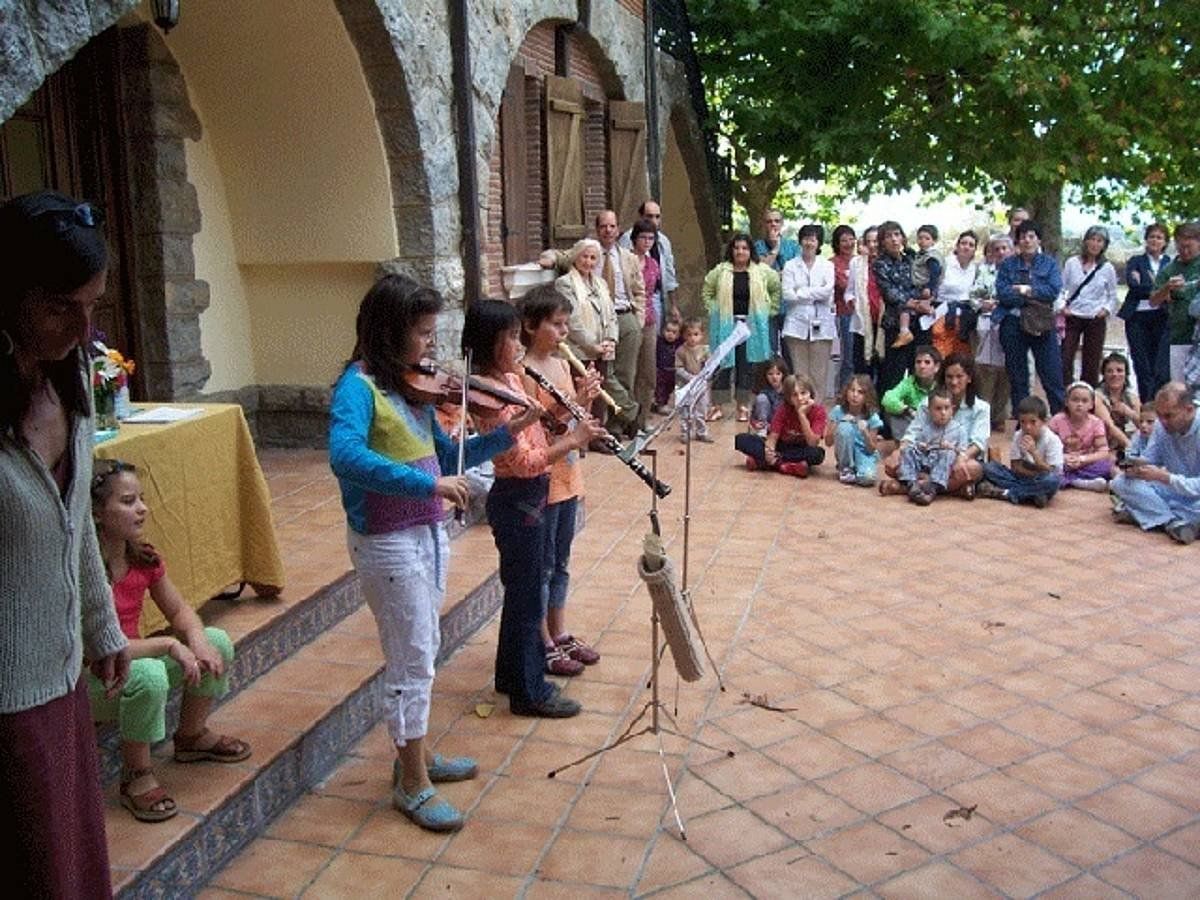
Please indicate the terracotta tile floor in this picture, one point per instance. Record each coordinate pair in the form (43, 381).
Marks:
(1038, 672)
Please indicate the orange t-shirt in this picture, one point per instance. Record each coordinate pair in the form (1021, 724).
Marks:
(566, 475)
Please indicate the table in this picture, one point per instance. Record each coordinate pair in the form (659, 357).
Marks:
(209, 508)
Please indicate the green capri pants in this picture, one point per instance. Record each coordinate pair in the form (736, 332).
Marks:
(140, 708)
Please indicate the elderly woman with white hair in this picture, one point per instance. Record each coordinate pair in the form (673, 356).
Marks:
(592, 331)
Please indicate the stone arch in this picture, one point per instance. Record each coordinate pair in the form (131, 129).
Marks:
(397, 120)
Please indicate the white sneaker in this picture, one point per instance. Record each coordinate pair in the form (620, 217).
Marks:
(1097, 485)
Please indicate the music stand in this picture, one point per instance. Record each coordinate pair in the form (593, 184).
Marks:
(685, 397)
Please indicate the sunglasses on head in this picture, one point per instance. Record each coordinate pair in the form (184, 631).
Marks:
(83, 214)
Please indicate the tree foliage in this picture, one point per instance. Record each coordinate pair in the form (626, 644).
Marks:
(1011, 100)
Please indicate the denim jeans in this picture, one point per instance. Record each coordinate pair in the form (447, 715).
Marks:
(516, 510)
(1147, 333)
(560, 532)
(1047, 360)
(1020, 487)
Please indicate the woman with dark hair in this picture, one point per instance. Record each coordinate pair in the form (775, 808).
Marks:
(642, 237)
(809, 322)
(845, 247)
(740, 288)
(1090, 288)
(971, 412)
(894, 275)
(1146, 324)
(57, 608)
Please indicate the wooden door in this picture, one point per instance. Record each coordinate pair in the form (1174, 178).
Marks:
(69, 137)
(629, 182)
(514, 222)
(564, 160)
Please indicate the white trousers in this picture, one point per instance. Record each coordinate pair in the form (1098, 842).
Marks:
(403, 578)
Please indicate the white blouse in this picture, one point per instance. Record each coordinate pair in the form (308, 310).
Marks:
(1099, 294)
(808, 300)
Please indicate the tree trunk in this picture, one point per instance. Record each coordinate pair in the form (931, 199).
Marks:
(755, 192)
(1046, 209)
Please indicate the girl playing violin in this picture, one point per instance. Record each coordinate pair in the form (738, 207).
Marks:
(388, 454)
(516, 510)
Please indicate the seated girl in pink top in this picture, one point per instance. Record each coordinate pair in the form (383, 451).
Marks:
(198, 658)
(1087, 462)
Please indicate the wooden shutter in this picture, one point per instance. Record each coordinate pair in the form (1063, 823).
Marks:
(628, 181)
(515, 216)
(564, 159)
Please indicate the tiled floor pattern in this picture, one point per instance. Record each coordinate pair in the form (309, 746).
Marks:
(971, 700)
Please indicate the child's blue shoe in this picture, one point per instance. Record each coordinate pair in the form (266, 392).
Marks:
(442, 769)
(428, 810)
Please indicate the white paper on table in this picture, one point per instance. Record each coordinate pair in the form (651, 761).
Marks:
(160, 415)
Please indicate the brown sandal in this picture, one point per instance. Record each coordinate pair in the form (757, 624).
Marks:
(142, 795)
(224, 749)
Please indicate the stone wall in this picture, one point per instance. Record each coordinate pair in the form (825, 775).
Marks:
(38, 36)
(166, 215)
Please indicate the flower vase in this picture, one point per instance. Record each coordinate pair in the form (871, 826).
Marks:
(121, 404)
(106, 413)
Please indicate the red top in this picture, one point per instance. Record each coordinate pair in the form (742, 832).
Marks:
(130, 593)
(841, 278)
(786, 423)
(874, 296)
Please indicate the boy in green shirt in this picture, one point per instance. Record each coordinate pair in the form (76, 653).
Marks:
(901, 402)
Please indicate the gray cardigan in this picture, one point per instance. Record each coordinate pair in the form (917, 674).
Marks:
(55, 601)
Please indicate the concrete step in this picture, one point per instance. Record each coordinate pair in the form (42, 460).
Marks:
(306, 685)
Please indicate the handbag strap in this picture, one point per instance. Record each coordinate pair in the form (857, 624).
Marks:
(1084, 283)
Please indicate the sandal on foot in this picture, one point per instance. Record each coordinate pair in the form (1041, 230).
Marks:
(889, 487)
(145, 798)
(224, 749)
(428, 810)
(715, 414)
(442, 769)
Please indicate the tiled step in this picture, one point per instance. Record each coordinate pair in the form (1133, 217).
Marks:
(305, 686)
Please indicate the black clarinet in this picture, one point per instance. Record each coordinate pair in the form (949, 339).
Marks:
(661, 488)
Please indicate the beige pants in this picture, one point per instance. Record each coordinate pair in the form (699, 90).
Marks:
(810, 358)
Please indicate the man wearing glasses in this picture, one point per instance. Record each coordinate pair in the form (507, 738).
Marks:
(775, 250)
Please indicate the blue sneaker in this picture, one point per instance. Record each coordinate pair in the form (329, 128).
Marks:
(443, 769)
(428, 810)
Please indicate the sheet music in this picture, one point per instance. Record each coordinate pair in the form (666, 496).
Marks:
(161, 415)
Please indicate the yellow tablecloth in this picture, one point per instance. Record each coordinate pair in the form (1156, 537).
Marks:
(209, 508)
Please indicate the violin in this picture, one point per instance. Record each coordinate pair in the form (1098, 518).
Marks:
(425, 383)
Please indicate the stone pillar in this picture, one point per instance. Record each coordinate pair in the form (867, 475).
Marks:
(169, 298)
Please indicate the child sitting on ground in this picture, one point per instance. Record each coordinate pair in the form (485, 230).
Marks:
(927, 268)
(793, 441)
(853, 430)
(768, 397)
(668, 342)
(1086, 460)
(1147, 416)
(901, 402)
(689, 360)
(1035, 461)
(198, 658)
(927, 455)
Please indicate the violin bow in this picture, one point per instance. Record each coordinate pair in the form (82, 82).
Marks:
(460, 514)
